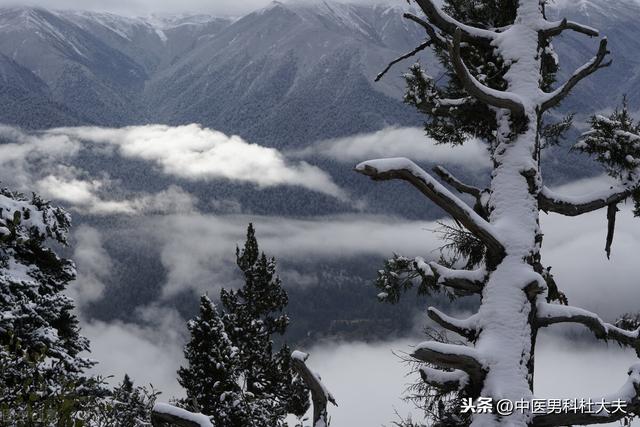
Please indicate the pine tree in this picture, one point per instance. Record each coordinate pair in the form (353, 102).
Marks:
(500, 87)
(127, 405)
(42, 377)
(212, 378)
(233, 372)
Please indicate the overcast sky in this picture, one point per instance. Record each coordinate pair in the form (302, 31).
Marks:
(144, 7)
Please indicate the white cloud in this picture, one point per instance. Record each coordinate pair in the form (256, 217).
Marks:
(48, 161)
(27, 154)
(93, 264)
(367, 380)
(401, 142)
(150, 354)
(197, 250)
(196, 153)
(84, 197)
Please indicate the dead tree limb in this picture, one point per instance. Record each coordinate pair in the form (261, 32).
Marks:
(556, 28)
(552, 99)
(551, 314)
(492, 97)
(414, 52)
(448, 24)
(465, 328)
(320, 396)
(612, 212)
(463, 188)
(451, 356)
(445, 381)
(550, 202)
(406, 170)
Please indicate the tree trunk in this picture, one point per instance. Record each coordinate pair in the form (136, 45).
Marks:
(507, 314)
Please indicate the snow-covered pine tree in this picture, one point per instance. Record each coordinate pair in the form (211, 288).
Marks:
(127, 405)
(42, 373)
(501, 67)
(212, 377)
(233, 372)
(254, 314)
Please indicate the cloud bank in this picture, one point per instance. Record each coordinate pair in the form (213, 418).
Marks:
(401, 142)
(367, 380)
(197, 250)
(51, 163)
(196, 153)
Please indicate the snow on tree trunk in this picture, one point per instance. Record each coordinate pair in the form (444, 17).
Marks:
(516, 290)
(507, 337)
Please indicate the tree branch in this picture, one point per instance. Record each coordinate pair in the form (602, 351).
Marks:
(492, 97)
(446, 381)
(448, 24)
(463, 282)
(431, 32)
(465, 328)
(550, 314)
(451, 356)
(552, 99)
(549, 201)
(447, 177)
(629, 394)
(556, 28)
(420, 48)
(320, 396)
(406, 170)
(463, 188)
(612, 211)
(164, 415)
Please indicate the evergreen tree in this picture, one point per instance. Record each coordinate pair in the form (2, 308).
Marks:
(42, 377)
(212, 378)
(233, 372)
(500, 87)
(127, 406)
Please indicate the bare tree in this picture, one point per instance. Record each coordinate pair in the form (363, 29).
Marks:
(501, 68)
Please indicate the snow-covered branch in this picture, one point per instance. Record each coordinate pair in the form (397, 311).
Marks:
(463, 188)
(405, 169)
(466, 328)
(452, 356)
(446, 381)
(164, 415)
(555, 28)
(550, 201)
(447, 177)
(550, 314)
(320, 396)
(461, 281)
(617, 407)
(448, 24)
(492, 97)
(552, 99)
(436, 38)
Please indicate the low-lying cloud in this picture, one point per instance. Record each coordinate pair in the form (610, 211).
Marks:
(49, 162)
(195, 153)
(198, 250)
(367, 380)
(401, 142)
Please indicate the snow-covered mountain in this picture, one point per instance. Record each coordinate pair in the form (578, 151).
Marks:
(312, 62)
(288, 74)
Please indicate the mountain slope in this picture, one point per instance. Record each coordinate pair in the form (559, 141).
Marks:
(90, 78)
